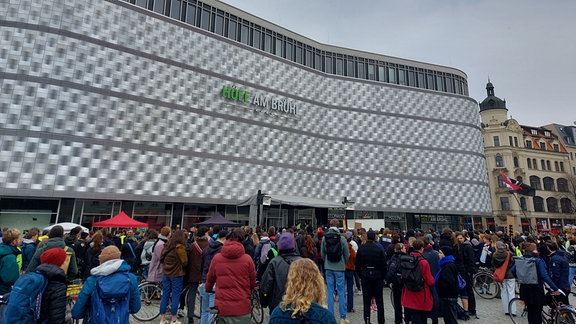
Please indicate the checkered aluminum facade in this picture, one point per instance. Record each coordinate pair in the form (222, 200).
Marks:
(103, 100)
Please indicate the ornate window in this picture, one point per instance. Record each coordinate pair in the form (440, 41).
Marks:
(535, 183)
(548, 184)
(499, 161)
(538, 204)
(552, 204)
(562, 185)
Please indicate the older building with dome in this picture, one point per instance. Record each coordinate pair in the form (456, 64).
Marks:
(533, 155)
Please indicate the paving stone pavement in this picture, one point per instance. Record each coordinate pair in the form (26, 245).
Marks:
(489, 311)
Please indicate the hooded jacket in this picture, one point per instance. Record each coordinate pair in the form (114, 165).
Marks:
(420, 300)
(207, 256)
(276, 276)
(234, 273)
(9, 271)
(559, 269)
(82, 305)
(195, 260)
(446, 279)
(27, 247)
(54, 242)
(155, 266)
(53, 309)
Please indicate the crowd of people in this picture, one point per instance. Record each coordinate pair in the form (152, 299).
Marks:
(300, 273)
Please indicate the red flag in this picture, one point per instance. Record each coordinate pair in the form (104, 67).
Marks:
(517, 186)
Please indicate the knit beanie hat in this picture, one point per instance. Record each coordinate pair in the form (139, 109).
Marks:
(286, 241)
(109, 253)
(446, 250)
(55, 256)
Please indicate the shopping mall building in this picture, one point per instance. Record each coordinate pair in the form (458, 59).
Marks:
(174, 110)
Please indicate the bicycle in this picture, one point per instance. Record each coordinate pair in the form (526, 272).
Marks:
(556, 312)
(256, 309)
(151, 295)
(214, 317)
(484, 285)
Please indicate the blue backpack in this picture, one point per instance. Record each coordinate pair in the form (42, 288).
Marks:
(25, 299)
(110, 299)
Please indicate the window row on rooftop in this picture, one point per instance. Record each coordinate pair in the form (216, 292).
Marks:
(230, 26)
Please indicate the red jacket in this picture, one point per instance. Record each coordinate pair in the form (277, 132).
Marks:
(420, 300)
(234, 274)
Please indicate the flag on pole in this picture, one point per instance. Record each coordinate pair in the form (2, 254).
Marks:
(518, 186)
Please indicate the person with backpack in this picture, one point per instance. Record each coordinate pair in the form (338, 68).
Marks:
(110, 294)
(446, 283)
(195, 268)
(393, 278)
(558, 267)
(155, 266)
(56, 240)
(262, 254)
(503, 257)
(417, 280)
(371, 266)
(174, 260)
(208, 254)
(466, 263)
(335, 254)
(91, 257)
(73, 241)
(433, 258)
(233, 272)
(147, 242)
(533, 293)
(273, 285)
(128, 250)
(28, 246)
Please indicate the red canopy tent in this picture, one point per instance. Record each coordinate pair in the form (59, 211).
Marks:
(121, 221)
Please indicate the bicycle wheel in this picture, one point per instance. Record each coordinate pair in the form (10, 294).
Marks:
(565, 315)
(256, 310)
(485, 286)
(518, 311)
(150, 295)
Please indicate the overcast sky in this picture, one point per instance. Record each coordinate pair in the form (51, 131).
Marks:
(526, 47)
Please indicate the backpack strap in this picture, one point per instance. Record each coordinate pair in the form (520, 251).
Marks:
(197, 247)
(131, 248)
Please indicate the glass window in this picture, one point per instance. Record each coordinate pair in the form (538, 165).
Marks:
(542, 145)
(510, 140)
(504, 203)
(501, 183)
(566, 205)
(515, 141)
(449, 85)
(561, 166)
(298, 53)
(543, 164)
(371, 72)
(318, 62)
(350, 70)
(496, 141)
(245, 34)
(562, 185)
(268, 43)
(279, 50)
(421, 80)
(401, 76)
(219, 25)
(535, 183)
(361, 70)
(552, 204)
(232, 29)
(191, 14)
(534, 164)
(538, 204)
(411, 78)
(256, 39)
(176, 9)
(529, 162)
(548, 166)
(499, 161)
(529, 144)
(516, 163)
(308, 59)
(289, 50)
(142, 3)
(556, 148)
(205, 19)
(430, 82)
(328, 67)
(159, 6)
(534, 132)
(440, 82)
(391, 75)
(556, 167)
(548, 183)
(339, 66)
(381, 74)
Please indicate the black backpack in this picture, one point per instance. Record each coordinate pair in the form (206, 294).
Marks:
(333, 247)
(410, 273)
(393, 272)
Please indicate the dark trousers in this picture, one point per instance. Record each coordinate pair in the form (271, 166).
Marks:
(397, 295)
(534, 313)
(349, 277)
(373, 288)
(192, 290)
(416, 316)
(448, 310)
(470, 293)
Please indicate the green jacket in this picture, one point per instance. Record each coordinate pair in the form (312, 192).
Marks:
(54, 242)
(335, 266)
(9, 270)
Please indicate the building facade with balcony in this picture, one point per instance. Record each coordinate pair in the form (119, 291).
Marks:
(533, 155)
(173, 110)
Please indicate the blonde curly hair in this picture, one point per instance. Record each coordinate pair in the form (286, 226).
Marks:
(305, 285)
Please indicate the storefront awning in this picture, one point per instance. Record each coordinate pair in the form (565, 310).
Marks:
(294, 201)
